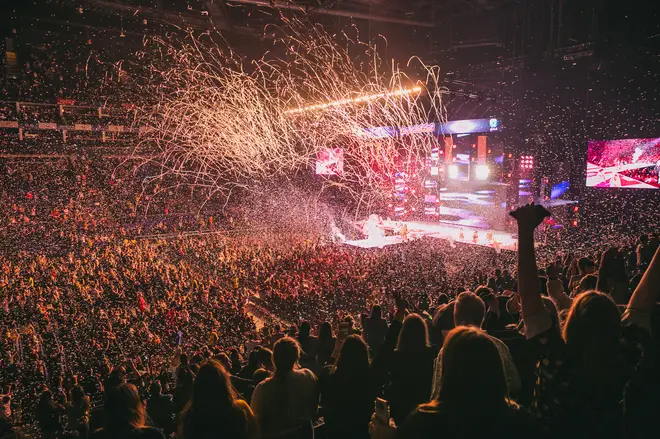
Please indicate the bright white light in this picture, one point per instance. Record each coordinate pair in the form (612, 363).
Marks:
(462, 126)
(481, 172)
(452, 172)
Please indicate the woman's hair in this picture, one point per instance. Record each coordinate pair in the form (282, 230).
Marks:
(612, 270)
(353, 359)
(376, 312)
(592, 332)
(304, 330)
(78, 397)
(123, 409)
(265, 358)
(587, 283)
(414, 334)
(45, 401)
(286, 353)
(212, 410)
(325, 331)
(472, 373)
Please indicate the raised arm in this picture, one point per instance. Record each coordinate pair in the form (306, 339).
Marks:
(643, 300)
(535, 315)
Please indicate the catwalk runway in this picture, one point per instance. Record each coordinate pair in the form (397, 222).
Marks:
(453, 233)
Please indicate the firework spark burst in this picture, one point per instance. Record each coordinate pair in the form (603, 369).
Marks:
(222, 122)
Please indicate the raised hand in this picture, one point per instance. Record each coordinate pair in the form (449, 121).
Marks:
(530, 216)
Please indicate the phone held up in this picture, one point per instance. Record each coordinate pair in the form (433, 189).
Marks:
(382, 409)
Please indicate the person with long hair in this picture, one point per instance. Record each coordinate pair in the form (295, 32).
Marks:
(286, 403)
(48, 415)
(472, 401)
(326, 344)
(77, 411)
(375, 329)
(215, 410)
(582, 372)
(348, 391)
(410, 368)
(125, 416)
(612, 276)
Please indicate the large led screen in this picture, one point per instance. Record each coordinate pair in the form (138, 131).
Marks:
(624, 163)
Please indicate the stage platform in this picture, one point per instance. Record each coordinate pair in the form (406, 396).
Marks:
(496, 239)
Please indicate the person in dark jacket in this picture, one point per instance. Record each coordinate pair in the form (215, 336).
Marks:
(348, 391)
(410, 368)
(160, 408)
(375, 329)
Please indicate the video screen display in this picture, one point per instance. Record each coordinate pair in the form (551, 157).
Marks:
(330, 161)
(623, 163)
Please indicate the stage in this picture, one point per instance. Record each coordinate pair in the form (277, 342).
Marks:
(496, 239)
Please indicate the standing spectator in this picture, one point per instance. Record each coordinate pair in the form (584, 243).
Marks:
(48, 415)
(308, 344)
(585, 267)
(582, 375)
(644, 252)
(411, 368)
(375, 329)
(125, 416)
(469, 310)
(184, 384)
(77, 411)
(326, 344)
(348, 392)
(286, 403)
(160, 408)
(472, 382)
(612, 277)
(215, 409)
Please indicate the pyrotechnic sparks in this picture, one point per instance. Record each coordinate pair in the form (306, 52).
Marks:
(221, 122)
(357, 100)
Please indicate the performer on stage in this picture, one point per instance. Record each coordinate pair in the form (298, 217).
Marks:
(404, 232)
(616, 180)
(475, 237)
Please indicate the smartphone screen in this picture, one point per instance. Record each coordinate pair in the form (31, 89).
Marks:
(382, 411)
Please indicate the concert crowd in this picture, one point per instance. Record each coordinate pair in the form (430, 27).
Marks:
(289, 335)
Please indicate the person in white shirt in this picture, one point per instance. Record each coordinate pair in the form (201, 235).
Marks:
(470, 310)
(286, 403)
